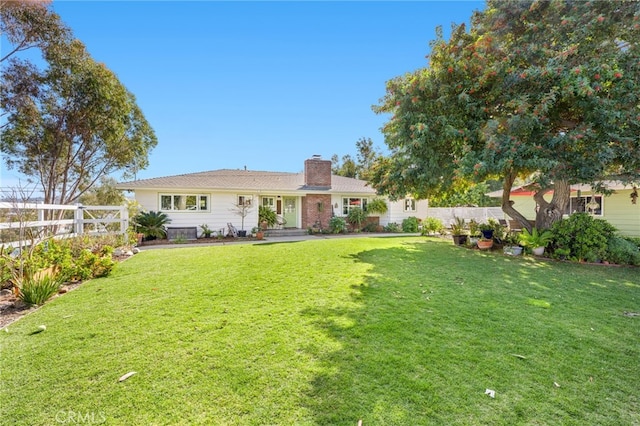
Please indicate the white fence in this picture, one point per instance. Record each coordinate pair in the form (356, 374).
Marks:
(479, 214)
(58, 220)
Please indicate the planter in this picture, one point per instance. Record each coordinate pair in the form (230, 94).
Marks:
(485, 244)
(473, 241)
(512, 250)
(260, 235)
(242, 233)
(487, 233)
(459, 239)
(538, 251)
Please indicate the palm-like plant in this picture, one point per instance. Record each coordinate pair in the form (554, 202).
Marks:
(151, 224)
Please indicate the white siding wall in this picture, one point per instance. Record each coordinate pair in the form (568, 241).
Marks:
(395, 212)
(221, 210)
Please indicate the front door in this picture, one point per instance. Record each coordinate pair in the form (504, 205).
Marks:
(290, 213)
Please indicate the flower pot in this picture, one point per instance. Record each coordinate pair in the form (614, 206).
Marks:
(260, 235)
(459, 239)
(538, 251)
(485, 244)
(512, 250)
(487, 233)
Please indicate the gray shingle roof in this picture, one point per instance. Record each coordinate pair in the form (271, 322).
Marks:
(247, 180)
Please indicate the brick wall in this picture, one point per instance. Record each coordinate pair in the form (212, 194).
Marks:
(316, 208)
(317, 172)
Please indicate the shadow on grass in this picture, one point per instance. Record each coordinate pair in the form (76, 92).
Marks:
(431, 328)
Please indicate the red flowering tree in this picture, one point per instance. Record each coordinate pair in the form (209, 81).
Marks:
(548, 91)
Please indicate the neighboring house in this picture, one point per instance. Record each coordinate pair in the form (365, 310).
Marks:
(617, 208)
(301, 200)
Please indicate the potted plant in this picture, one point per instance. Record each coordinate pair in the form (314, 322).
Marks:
(242, 209)
(536, 241)
(267, 218)
(487, 230)
(458, 231)
(206, 231)
(152, 224)
(511, 246)
(485, 243)
(474, 232)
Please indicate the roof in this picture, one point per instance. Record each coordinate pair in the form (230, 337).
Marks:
(246, 180)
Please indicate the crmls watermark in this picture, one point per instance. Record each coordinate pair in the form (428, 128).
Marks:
(78, 418)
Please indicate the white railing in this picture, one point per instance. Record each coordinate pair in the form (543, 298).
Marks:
(479, 214)
(86, 220)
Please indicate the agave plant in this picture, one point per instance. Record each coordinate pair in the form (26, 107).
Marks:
(152, 224)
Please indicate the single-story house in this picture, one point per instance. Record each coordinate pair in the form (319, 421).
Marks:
(620, 208)
(301, 200)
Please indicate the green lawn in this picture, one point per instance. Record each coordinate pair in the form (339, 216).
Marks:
(393, 331)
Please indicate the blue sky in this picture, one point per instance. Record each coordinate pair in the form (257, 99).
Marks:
(258, 84)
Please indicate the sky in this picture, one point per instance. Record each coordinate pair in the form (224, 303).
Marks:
(262, 85)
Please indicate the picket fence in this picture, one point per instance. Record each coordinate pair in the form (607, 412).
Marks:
(480, 214)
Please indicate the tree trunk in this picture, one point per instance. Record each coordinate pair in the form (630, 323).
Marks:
(507, 204)
(550, 212)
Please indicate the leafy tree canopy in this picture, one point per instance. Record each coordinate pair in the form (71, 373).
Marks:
(543, 90)
(359, 168)
(71, 123)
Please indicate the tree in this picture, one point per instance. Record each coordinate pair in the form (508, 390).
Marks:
(547, 91)
(71, 123)
(347, 168)
(27, 24)
(366, 157)
(103, 194)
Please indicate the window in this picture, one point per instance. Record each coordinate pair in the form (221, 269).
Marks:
(269, 202)
(184, 202)
(409, 205)
(245, 200)
(349, 203)
(588, 204)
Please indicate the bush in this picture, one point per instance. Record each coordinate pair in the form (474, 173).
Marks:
(36, 290)
(586, 238)
(371, 227)
(622, 252)
(337, 225)
(356, 216)
(432, 225)
(410, 224)
(392, 227)
(151, 224)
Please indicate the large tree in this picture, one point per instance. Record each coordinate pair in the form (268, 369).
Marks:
(70, 123)
(543, 90)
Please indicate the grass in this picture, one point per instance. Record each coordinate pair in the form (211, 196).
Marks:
(393, 331)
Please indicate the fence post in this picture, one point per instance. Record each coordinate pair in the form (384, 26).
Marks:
(78, 223)
(124, 216)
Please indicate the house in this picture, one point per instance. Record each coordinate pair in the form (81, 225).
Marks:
(620, 208)
(301, 200)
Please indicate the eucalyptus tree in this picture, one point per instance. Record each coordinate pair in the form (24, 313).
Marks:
(71, 122)
(543, 90)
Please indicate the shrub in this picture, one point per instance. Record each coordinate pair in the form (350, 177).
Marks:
(356, 216)
(392, 227)
(432, 225)
(152, 224)
(622, 251)
(410, 224)
(35, 290)
(371, 227)
(586, 238)
(337, 225)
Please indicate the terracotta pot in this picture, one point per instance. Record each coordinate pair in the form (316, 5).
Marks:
(485, 244)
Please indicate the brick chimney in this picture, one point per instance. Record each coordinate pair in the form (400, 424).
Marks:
(317, 172)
